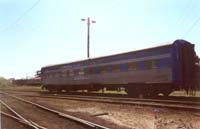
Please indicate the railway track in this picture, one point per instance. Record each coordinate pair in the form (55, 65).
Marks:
(20, 118)
(184, 102)
(125, 96)
(34, 125)
(129, 101)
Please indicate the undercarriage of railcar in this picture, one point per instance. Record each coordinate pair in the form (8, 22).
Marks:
(133, 89)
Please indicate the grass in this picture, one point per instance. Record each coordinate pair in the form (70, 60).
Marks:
(183, 93)
(175, 93)
(24, 88)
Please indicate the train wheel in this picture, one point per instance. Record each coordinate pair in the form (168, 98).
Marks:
(132, 93)
(50, 90)
(141, 96)
(166, 93)
(59, 90)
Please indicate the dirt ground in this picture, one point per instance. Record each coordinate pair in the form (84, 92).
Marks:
(43, 118)
(125, 116)
(128, 116)
(6, 124)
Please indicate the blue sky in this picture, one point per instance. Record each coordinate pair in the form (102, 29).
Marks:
(36, 33)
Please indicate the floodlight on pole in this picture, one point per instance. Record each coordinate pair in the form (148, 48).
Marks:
(88, 34)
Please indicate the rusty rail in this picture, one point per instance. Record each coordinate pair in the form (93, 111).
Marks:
(129, 101)
(20, 117)
(73, 118)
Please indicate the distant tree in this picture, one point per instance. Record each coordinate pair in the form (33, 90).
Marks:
(5, 82)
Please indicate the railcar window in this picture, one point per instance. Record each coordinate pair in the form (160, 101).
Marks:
(64, 73)
(56, 74)
(102, 69)
(116, 68)
(81, 72)
(150, 64)
(71, 72)
(132, 66)
(59, 74)
(90, 70)
(53, 75)
(50, 75)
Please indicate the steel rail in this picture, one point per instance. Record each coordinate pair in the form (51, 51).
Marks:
(21, 117)
(176, 99)
(171, 99)
(17, 119)
(84, 122)
(142, 102)
(126, 99)
(21, 121)
(191, 105)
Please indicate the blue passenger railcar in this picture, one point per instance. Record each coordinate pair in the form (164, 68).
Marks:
(151, 71)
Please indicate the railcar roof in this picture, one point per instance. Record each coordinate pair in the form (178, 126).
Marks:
(135, 51)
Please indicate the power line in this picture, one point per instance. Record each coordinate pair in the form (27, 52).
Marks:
(21, 16)
(192, 26)
(186, 9)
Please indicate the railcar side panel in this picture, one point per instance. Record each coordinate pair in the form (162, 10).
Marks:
(167, 67)
(154, 66)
